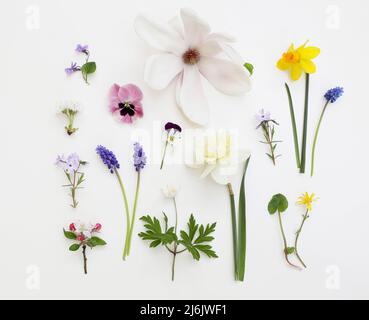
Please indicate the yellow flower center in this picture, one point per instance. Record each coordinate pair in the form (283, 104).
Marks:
(292, 57)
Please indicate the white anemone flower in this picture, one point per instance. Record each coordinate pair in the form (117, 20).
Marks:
(170, 191)
(219, 154)
(190, 51)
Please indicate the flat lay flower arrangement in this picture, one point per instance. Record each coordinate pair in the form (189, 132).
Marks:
(189, 52)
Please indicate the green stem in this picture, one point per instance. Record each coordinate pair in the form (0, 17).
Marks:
(306, 216)
(234, 229)
(134, 214)
(175, 252)
(165, 152)
(306, 118)
(316, 138)
(294, 127)
(285, 241)
(127, 211)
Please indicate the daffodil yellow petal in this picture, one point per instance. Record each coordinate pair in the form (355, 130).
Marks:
(282, 65)
(292, 48)
(296, 72)
(309, 53)
(308, 66)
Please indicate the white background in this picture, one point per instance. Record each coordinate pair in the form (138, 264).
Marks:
(34, 208)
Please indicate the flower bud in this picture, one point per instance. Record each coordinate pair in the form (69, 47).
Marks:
(72, 227)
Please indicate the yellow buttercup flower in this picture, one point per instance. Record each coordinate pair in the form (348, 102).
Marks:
(307, 200)
(299, 60)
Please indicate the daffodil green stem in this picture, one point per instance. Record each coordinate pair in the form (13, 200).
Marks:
(316, 138)
(128, 252)
(285, 241)
(294, 127)
(127, 212)
(234, 229)
(306, 118)
(306, 216)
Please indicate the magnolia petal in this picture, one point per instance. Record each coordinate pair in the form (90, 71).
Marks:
(177, 25)
(308, 66)
(210, 48)
(195, 29)
(221, 37)
(296, 72)
(159, 36)
(191, 96)
(161, 69)
(232, 54)
(225, 76)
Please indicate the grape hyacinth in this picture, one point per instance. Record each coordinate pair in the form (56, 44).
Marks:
(108, 158)
(331, 97)
(139, 157)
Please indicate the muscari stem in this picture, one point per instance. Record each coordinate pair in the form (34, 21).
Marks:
(234, 229)
(306, 118)
(127, 211)
(316, 139)
(164, 155)
(294, 127)
(134, 213)
(84, 258)
(306, 216)
(175, 245)
(285, 241)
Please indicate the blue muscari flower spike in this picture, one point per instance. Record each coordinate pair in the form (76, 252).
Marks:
(139, 157)
(333, 95)
(108, 158)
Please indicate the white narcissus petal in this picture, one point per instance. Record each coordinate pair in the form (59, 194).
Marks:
(223, 174)
(159, 36)
(225, 76)
(208, 170)
(195, 29)
(191, 96)
(161, 69)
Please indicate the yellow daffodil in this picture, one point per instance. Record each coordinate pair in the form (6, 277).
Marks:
(299, 60)
(307, 200)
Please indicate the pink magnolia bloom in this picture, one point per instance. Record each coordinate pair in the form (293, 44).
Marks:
(188, 52)
(126, 102)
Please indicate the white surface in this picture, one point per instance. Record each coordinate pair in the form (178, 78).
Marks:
(33, 206)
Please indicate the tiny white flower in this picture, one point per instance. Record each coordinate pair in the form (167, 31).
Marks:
(170, 191)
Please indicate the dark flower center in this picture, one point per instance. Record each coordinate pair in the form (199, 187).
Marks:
(191, 56)
(127, 109)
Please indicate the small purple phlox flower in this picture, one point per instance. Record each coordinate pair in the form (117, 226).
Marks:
(139, 157)
(70, 164)
(264, 117)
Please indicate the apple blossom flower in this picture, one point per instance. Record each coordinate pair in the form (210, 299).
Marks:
(190, 51)
(126, 102)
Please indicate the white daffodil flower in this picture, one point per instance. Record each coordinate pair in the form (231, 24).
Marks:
(219, 154)
(190, 51)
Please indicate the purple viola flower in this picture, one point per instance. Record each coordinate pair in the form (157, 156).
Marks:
(82, 49)
(172, 126)
(73, 68)
(334, 94)
(139, 157)
(109, 158)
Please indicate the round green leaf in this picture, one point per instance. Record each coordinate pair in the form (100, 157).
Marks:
(278, 203)
(89, 68)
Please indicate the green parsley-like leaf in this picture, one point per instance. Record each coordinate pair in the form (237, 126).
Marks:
(155, 234)
(198, 245)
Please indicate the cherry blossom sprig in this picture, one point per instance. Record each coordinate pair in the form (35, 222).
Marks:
(87, 68)
(83, 235)
(173, 132)
(71, 166)
(267, 124)
(139, 162)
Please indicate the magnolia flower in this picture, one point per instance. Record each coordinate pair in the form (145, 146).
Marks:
(190, 51)
(219, 154)
(170, 191)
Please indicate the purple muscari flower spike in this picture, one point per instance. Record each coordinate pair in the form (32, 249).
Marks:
(108, 158)
(82, 49)
(334, 94)
(139, 157)
(73, 68)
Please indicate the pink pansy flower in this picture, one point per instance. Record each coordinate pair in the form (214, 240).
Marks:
(189, 51)
(126, 102)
